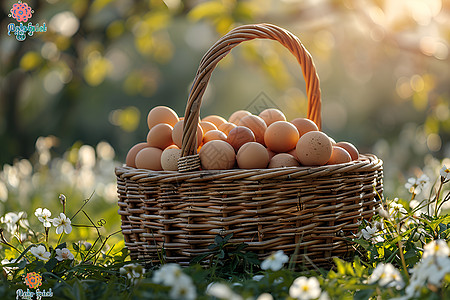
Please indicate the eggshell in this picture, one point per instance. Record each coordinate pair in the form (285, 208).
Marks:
(226, 127)
(160, 136)
(240, 135)
(238, 115)
(293, 152)
(304, 125)
(214, 135)
(216, 120)
(207, 126)
(131, 155)
(351, 149)
(217, 155)
(255, 124)
(252, 155)
(272, 115)
(177, 134)
(314, 149)
(172, 147)
(339, 156)
(169, 159)
(283, 160)
(271, 153)
(281, 136)
(161, 114)
(149, 158)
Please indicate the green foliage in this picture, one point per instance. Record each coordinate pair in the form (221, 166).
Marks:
(226, 259)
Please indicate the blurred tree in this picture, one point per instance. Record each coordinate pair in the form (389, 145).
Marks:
(102, 65)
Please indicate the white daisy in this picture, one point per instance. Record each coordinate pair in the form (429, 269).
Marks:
(304, 288)
(62, 223)
(44, 215)
(40, 252)
(63, 254)
(275, 261)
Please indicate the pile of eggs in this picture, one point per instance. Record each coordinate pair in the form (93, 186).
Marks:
(245, 141)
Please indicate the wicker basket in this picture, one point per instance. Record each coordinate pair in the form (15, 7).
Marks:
(311, 209)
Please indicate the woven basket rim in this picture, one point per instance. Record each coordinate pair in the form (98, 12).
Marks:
(366, 162)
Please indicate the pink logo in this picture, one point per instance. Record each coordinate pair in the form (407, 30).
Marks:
(21, 12)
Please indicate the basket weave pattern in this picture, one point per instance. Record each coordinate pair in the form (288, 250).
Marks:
(309, 209)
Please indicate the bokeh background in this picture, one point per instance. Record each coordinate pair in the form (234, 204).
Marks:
(74, 99)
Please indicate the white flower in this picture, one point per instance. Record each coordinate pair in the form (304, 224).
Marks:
(40, 252)
(275, 261)
(7, 262)
(168, 274)
(396, 209)
(305, 288)
(13, 220)
(417, 185)
(265, 296)
(436, 248)
(134, 272)
(63, 254)
(221, 291)
(445, 173)
(257, 277)
(324, 296)
(183, 289)
(431, 269)
(43, 215)
(387, 276)
(62, 223)
(370, 233)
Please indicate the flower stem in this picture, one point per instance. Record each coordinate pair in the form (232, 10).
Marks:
(438, 194)
(400, 249)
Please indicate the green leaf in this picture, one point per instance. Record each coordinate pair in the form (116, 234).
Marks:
(364, 294)
(51, 264)
(218, 240)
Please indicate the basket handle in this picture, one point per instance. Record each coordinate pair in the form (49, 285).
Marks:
(220, 49)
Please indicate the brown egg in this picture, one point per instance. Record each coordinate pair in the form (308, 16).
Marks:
(172, 147)
(226, 127)
(333, 142)
(271, 153)
(293, 152)
(217, 155)
(131, 155)
(177, 134)
(282, 160)
(339, 156)
(240, 135)
(272, 115)
(304, 125)
(351, 149)
(216, 120)
(252, 155)
(214, 135)
(238, 115)
(149, 158)
(169, 159)
(161, 114)
(281, 136)
(160, 136)
(207, 126)
(314, 149)
(255, 124)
